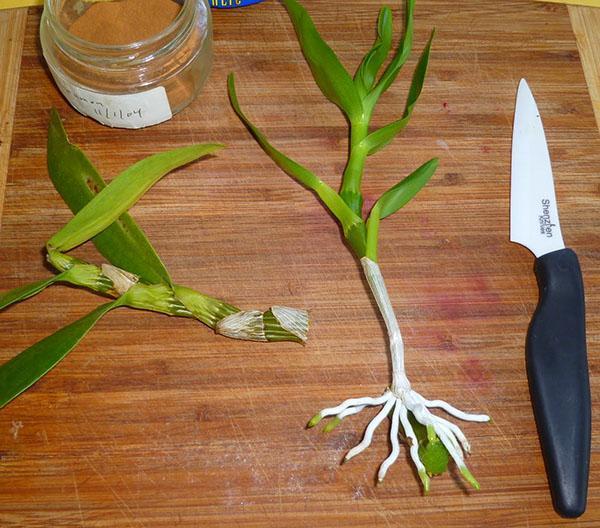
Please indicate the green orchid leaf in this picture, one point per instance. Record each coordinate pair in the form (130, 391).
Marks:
(402, 54)
(365, 76)
(404, 191)
(22, 371)
(416, 86)
(381, 137)
(393, 199)
(122, 193)
(25, 292)
(331, 77)
(375, 141)
(327, 195)
(122, 243)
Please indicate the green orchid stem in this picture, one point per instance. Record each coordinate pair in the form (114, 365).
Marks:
(212, 311)
(373, 233)
(155, 298)
(79, 273)
(356, 237)
(351, 181)
(178, 301)
(204, 308)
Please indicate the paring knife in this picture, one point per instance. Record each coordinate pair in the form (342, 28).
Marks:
(556, 348)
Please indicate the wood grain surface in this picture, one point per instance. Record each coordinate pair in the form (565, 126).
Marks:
(586, 26)
(12, 32)
(585, 3)
(154, 421)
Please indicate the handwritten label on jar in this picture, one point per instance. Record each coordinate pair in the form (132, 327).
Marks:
(124, 111)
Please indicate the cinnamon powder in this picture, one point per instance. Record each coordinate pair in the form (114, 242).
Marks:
(121, 22)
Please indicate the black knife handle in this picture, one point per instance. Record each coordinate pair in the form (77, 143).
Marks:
(558, 379)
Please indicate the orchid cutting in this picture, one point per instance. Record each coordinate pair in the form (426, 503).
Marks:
(431, 439)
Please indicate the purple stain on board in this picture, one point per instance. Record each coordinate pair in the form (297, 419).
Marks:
(474, 371)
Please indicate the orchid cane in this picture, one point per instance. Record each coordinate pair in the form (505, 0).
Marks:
(430, 438)
(135, 276)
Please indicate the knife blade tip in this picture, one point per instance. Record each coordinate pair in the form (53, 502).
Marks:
(523, 86)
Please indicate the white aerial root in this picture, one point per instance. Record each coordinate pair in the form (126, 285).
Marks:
(399, 405)
(400, 399)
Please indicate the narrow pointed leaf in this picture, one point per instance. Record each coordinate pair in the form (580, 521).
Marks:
(19, 373)
(365, 76)
(392, 200)
(122, 243)
(375, 141)
(401, 193)
(331, 77)
(402, 54)
(380, 138)
(416, 86)
(122, 193)
(328, 196)
(25, 292)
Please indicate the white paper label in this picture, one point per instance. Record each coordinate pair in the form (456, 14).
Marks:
(124, 111)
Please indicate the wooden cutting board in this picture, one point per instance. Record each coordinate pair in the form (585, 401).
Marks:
(154, 421)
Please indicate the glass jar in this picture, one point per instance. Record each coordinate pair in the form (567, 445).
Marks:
(131, 85)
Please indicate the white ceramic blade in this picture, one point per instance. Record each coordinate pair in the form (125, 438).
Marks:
(533, 212)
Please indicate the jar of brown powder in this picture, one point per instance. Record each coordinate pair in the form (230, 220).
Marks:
(128, 63)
